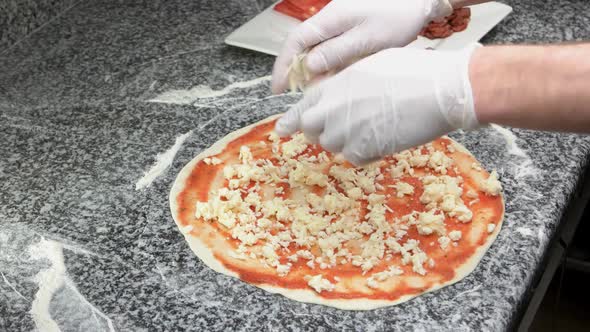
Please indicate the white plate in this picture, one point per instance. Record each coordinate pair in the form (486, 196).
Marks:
(266, 32)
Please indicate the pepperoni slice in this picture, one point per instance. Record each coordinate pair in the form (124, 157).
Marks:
(445, 27)
(440, 28)
(300, 9)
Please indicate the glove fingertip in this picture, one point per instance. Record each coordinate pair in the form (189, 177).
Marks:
(289, 122)
(315, 63)
(312, 138)
(351, 158)
(282, 128)
(278, 82)
(277, 86)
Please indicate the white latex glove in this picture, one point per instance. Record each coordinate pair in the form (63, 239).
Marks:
(346, 30)
(388, 102)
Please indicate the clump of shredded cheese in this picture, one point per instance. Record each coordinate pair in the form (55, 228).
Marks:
(403, 188)
(319, 284)
(491, 185)
(491, 228)
(444, 192)
(297, 73)
(375, 278)
(455, 235)
(212, 161)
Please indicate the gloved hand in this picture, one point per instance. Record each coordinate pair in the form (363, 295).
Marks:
(388, 102)
(346, 30)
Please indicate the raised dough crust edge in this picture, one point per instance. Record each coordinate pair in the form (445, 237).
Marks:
(306, 295)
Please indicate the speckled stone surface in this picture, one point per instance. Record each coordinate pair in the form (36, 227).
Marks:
(19, 18)
(77, 133)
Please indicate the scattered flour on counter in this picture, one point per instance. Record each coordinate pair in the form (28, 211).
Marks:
(163, 161)
(12, 287)
(541, 235)
(524, 168)
(94, 310)
(474, 289)
(186, 97)
(79, 250)
(54, 287)
(510, 138)
(49, 281)
(525, 231)
(239, 101)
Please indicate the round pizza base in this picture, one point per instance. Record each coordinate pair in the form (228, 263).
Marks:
(308, 295)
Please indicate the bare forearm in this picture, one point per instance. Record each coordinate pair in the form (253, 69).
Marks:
(536, 87)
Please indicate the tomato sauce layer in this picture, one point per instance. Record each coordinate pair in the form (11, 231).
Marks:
(198, 186)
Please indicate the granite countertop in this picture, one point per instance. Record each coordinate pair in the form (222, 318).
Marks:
(83, 118)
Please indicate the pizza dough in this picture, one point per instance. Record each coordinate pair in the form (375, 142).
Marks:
(290, 218)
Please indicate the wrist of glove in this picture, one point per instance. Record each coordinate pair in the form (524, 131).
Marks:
(391, 101)
(346, 30)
